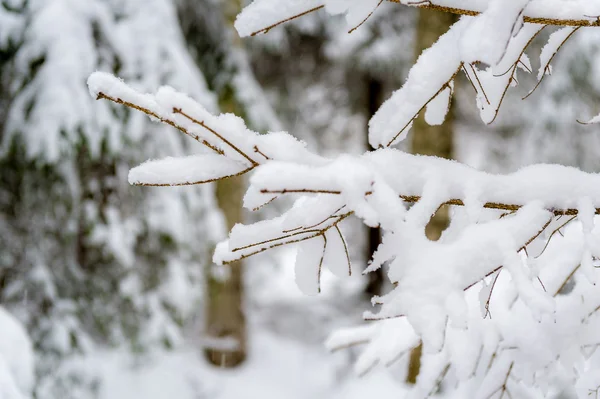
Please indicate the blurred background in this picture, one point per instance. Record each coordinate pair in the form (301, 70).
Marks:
(114, 285)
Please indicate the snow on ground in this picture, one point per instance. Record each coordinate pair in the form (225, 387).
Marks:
(16, 358)
(276, 368)
(287, 357)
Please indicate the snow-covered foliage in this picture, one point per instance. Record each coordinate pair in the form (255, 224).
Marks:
(87, 262)
(505, 303)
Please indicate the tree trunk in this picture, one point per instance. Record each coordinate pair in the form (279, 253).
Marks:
(224, 302)
(374, 95)
(431, 140)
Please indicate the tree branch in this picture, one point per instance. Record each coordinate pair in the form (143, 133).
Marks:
(526, 18)
(164, 120)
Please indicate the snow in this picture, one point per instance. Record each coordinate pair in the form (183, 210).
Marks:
(308, 265)
(279, 371)
(193, 169)
(555, 41)
(434, 68)
(16, 359)
(490, 300)
(487, 37)
(431, 299)
(261, 14)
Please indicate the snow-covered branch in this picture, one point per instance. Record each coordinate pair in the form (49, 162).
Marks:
(263, 15)
(555, 12)
(522, 247)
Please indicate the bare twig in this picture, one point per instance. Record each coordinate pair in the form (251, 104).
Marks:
(345, 249)
(160, 118)
(366, 18)
(567, 280)
(547, 66)
(268, 28)
(554, 232)
(285, 239)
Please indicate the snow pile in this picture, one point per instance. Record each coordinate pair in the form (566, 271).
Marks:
(16, 359)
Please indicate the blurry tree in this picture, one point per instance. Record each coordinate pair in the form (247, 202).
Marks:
(218, 51)
(86, 260)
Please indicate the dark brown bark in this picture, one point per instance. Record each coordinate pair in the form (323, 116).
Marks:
(375, 285)
(225, 291)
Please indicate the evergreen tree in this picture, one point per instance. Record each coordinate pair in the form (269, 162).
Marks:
(87, 260)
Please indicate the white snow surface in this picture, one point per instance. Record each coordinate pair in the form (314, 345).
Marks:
(193, 169)
(16, 359)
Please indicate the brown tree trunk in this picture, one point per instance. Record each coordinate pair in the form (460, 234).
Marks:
(225, 289)
(224, 302)
(374, 94)
(431, 140)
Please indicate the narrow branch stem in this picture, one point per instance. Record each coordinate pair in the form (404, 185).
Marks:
(223, 139)
(268, 28)
(160, 118)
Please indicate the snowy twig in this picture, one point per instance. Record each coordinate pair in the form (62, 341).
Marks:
(366, 18)
(160, 118)
(283, 21)
(446, 85)
(429, 4)
(545, 68)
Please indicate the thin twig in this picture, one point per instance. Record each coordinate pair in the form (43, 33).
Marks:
(160, 118)
(223, 139)
(567, 280)
(268, 28)
(554, 232)
(366, 18)
(191, 183)
(444, 86)
(345, 249)
(273, 242)
(547, 66)
(479, 83)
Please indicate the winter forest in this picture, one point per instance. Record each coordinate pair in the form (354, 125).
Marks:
(324, 199)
